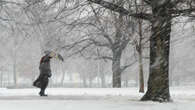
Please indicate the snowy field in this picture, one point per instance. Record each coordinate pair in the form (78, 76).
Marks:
(92, 99)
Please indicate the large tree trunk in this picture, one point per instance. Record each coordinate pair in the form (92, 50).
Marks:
(158, 83)
(117, 52)
(116, 80)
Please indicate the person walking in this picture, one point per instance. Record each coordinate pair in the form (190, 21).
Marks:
(45, 72)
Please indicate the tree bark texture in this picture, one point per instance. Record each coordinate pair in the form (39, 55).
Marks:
(158, 82)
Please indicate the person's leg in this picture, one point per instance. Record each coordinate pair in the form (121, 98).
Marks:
(37, 83)
(44, 84)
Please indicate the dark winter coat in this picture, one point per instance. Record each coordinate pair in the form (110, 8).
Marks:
(45, 72)
(44, 66)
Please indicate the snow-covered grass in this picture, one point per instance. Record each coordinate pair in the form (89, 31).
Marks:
(92, 99)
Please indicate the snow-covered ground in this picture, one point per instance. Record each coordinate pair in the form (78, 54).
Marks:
(92, 99)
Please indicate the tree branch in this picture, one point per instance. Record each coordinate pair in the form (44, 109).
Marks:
(81, 50)
(145, 16)
(183, 12)
(111, 6)
(105, 35)
(104, 58)
(121, 10)
(5, 19)
(126, 66)
(99, 44)
(147, 1)
(70, 46)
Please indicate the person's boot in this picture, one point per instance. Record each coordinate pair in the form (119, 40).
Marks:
(42, 94)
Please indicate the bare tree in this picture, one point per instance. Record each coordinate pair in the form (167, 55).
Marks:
(100, 36)
(160, 15)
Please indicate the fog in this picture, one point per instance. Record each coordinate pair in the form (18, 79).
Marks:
(26, 33)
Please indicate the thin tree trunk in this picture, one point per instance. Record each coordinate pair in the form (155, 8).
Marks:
(139, 49)
(62, 80)
(141, 73)
(90, 82)
(1, 79)
(158, 83)
(84, 82)
(103, 82)
(126, 82)
(14, 69)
